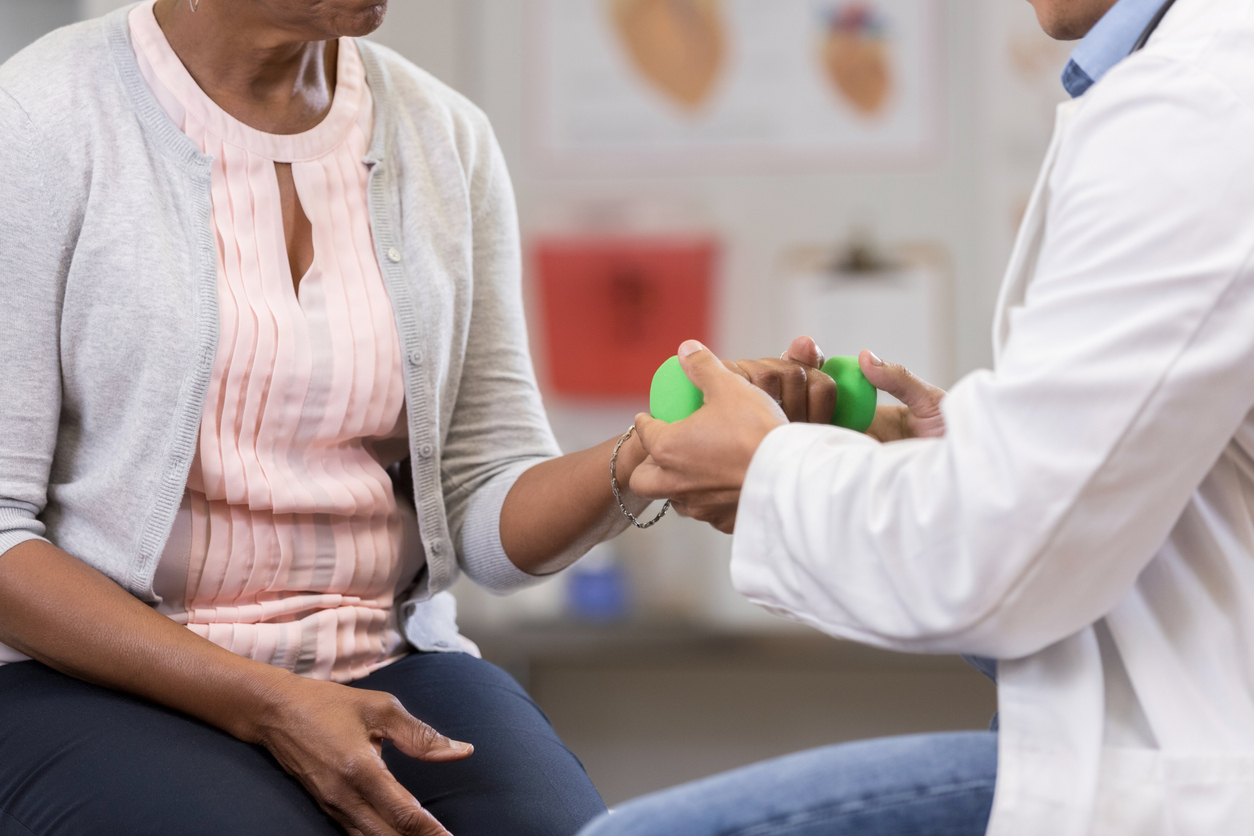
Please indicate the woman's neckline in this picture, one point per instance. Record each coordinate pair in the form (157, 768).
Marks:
(318, 141)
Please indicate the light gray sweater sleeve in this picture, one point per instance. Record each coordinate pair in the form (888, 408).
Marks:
(499, 427)
(33, 254)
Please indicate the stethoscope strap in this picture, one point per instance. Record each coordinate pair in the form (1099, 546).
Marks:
(1153, 25)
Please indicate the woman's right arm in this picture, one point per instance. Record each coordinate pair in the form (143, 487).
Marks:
(59, 611)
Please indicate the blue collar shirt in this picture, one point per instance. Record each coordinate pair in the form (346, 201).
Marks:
(1107, 43)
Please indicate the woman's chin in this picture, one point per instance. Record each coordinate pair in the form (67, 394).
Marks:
(363, 18)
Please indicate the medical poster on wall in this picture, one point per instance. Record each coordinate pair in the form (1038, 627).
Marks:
(733, 83)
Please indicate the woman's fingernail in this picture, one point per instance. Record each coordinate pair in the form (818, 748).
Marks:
(875, 361)
(690, 347)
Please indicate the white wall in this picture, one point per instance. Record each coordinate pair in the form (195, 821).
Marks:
(95, 8)
(22, 21)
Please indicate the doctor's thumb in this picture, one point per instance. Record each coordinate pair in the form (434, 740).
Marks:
(898, 381)
(647, 430)
(701, 365)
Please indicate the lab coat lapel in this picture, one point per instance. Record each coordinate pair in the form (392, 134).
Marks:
(1022, 266)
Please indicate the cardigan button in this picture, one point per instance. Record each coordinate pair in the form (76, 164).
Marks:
(426, 450)
(415, 357)
(394, 255)
(437, 546)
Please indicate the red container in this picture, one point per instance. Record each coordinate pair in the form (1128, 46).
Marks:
(615, 308)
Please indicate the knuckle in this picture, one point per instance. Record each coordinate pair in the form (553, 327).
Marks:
(354, 769)
(426, 735)
(376, 700)
(421, 736)
(794, 374)
(408, 818)
(386, 708)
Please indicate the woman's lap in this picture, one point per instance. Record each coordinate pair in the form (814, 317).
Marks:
(921, 785)
(75, 758)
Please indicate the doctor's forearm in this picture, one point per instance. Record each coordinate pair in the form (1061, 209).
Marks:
(567, 501)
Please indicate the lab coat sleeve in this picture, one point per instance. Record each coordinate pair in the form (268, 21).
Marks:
(1126, 373)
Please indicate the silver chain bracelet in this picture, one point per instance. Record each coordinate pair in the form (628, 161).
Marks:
(619, 494)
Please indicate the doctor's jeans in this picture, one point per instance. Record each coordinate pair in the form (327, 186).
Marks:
(920, 785)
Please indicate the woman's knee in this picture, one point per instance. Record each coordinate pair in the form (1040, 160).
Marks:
(521, 780)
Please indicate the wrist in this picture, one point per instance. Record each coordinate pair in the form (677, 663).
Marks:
(264, 703)
(630, 456)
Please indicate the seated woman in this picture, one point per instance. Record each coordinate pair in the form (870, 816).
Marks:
(250, 267)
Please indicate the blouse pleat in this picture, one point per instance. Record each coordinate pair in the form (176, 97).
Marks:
(297, 546)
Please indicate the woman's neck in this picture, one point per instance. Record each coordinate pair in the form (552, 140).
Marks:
(254, 69)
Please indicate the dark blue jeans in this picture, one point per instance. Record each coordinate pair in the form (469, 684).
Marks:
(77, 759)
(921, 785)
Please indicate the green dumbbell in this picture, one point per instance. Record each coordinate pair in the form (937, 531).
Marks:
(673, 397)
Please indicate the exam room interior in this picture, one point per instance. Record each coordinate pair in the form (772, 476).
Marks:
(690, 679)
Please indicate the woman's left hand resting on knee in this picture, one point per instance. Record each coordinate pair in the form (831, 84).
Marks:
(69, 616)
(700, 463)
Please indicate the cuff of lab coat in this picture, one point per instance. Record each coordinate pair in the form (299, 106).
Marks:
(777, 478)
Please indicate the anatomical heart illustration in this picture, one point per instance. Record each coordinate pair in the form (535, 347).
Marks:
(857, 59)
(680, 46)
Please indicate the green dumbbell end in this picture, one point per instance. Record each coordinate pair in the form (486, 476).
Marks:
(855, 396)
(673, 397)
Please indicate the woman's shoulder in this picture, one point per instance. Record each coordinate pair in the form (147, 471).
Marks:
(424, 104)
(412, 86)
(65, 79)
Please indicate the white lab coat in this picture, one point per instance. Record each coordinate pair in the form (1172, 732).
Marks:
(1088, 517)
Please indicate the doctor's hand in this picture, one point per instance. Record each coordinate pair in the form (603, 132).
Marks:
(700, 463)
(918, 416)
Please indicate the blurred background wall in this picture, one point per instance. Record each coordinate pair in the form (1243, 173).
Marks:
(647, 661)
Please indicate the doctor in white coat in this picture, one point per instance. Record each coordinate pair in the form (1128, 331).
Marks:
(1085, 513)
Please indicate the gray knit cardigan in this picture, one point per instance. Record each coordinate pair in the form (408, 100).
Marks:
(109, 317)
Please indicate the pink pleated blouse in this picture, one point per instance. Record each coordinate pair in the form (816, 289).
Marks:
(290, 547)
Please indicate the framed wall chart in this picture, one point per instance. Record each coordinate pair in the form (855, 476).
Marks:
(714, 84)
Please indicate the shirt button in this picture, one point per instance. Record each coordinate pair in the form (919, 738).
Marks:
(394, 255)
(425, 451)
(415, 357)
